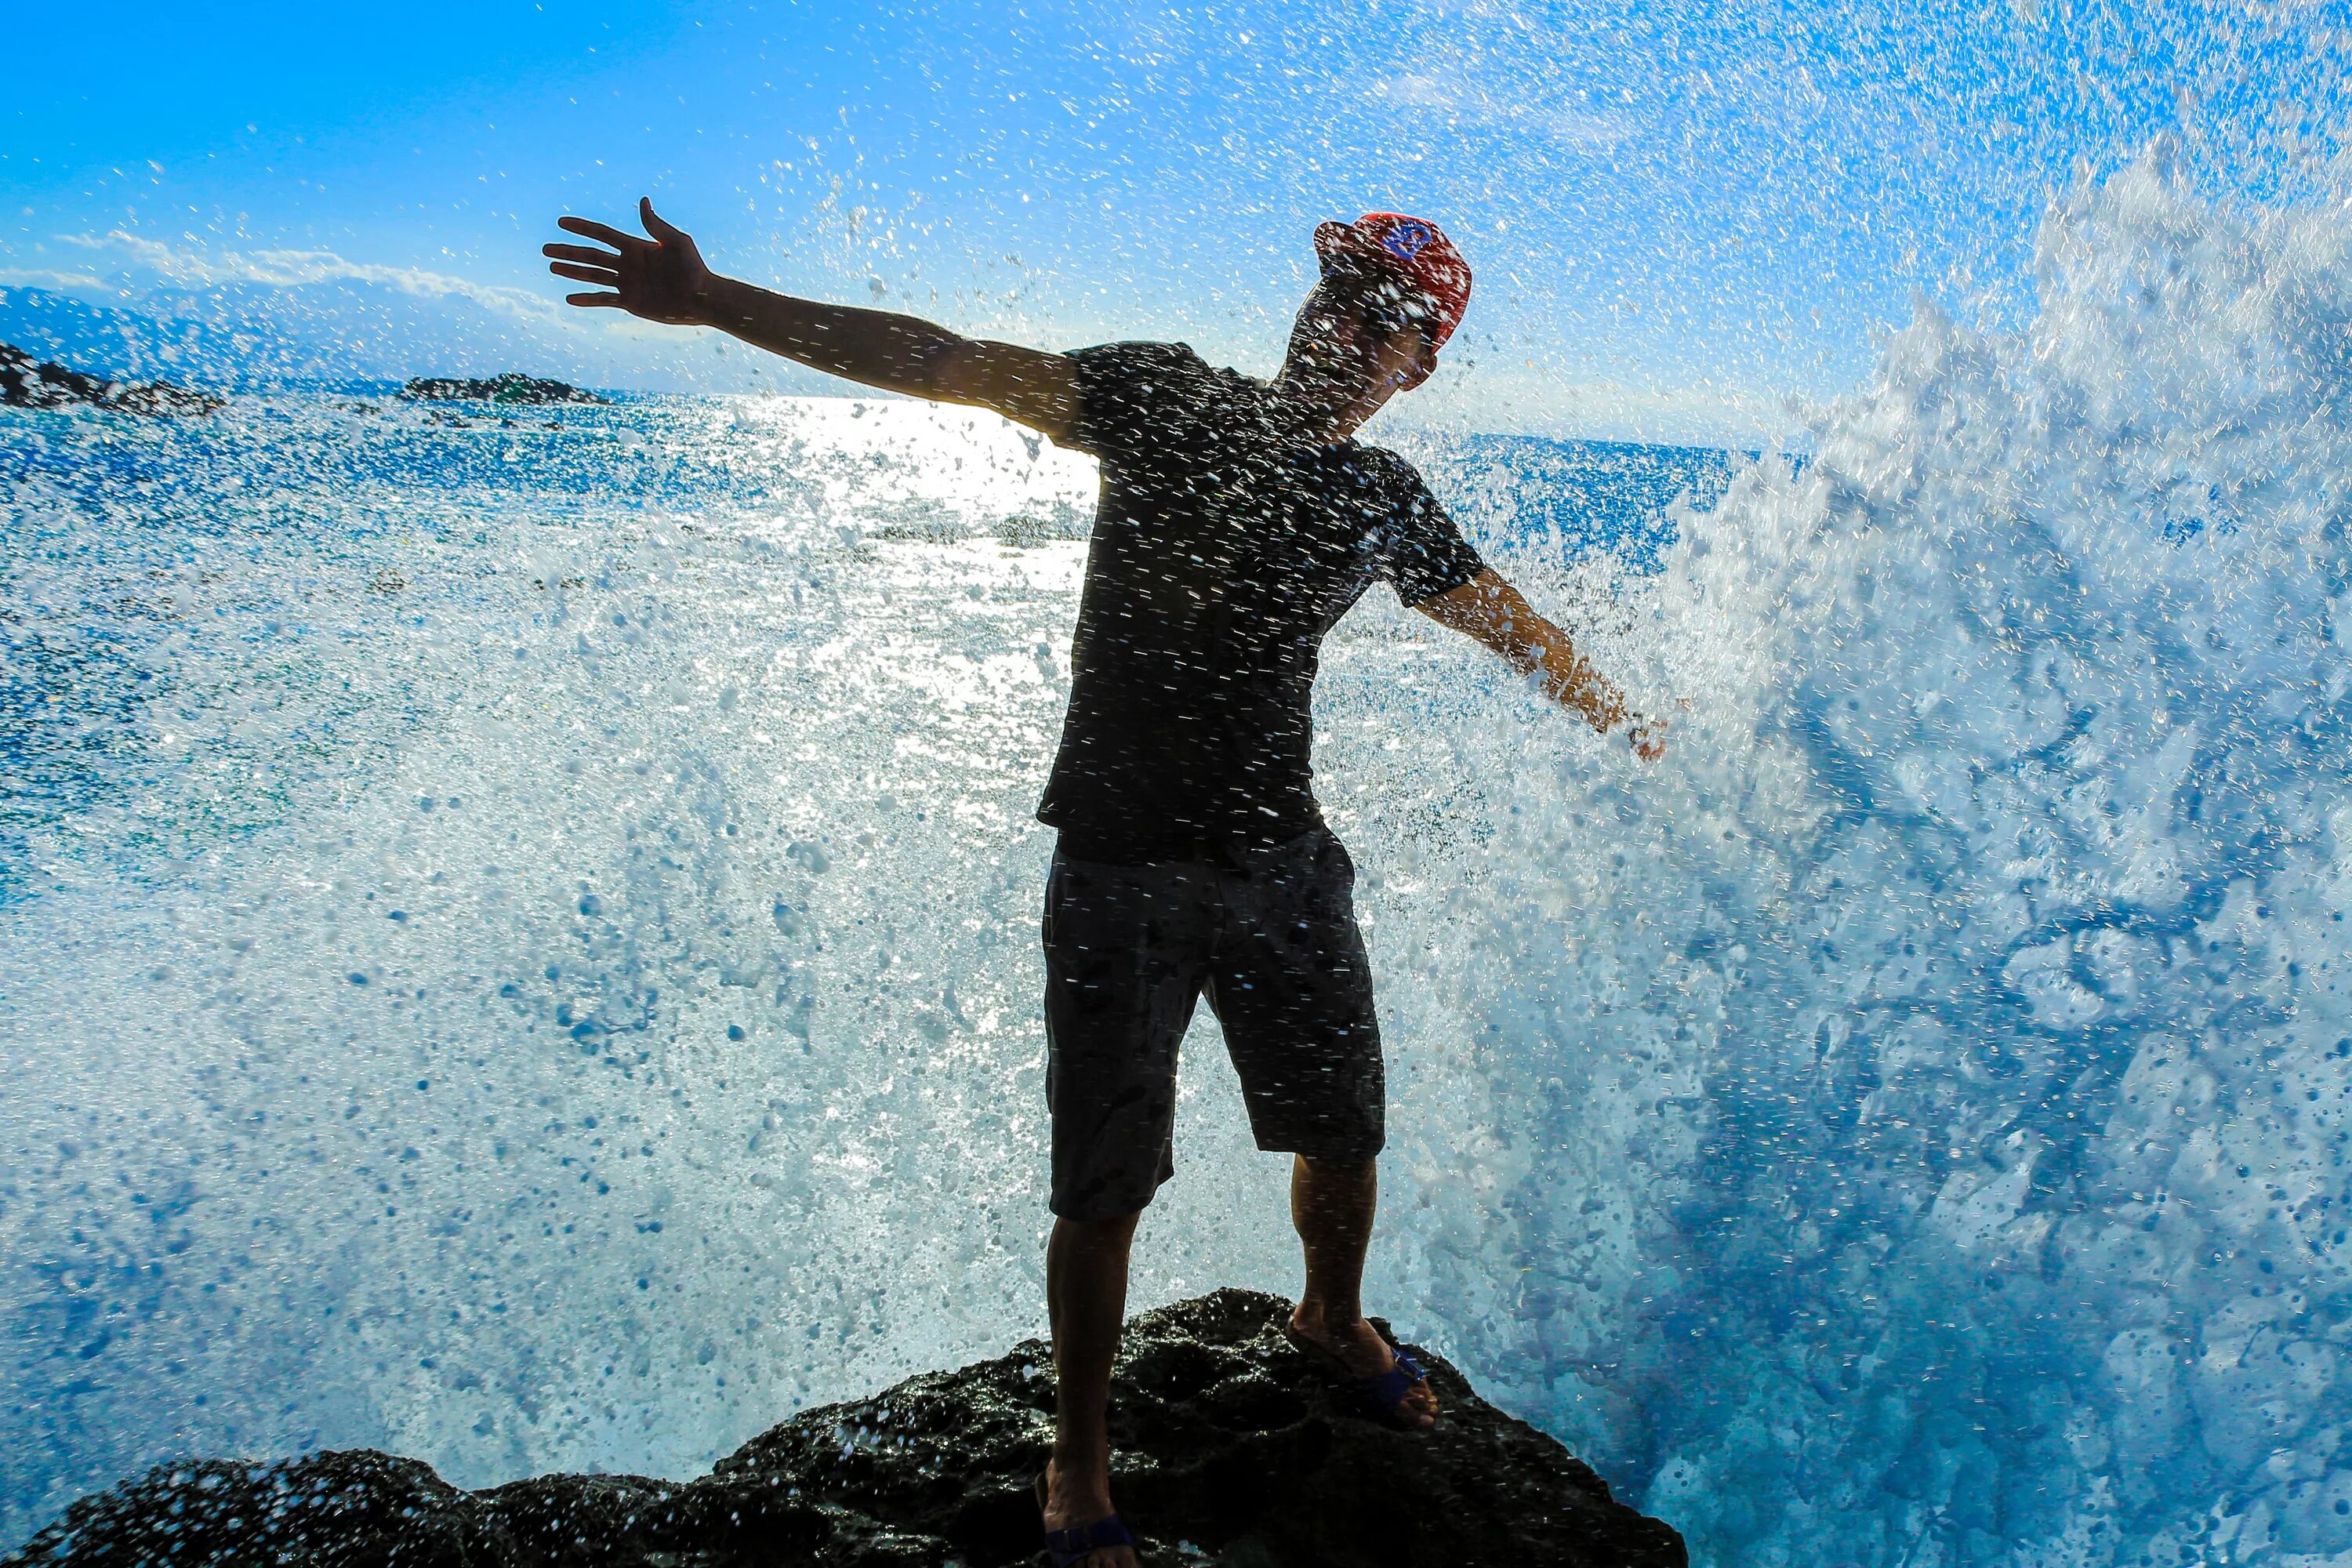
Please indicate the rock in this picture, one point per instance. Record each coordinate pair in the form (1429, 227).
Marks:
(1232, 1450)
(1026, 532)
(508, 388)
(27, 384)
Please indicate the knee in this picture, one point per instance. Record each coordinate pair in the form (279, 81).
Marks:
(1086, 1237)
(1338, 1172)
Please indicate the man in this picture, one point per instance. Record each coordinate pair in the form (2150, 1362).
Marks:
(1237, 522)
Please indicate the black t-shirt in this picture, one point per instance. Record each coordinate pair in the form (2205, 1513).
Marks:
(1220, 556)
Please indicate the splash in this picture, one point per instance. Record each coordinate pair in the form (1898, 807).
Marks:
(507, 974)
(1917, 1117)
(526, 955)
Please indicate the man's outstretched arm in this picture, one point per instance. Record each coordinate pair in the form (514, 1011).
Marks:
(1491, 610)
(662, 278)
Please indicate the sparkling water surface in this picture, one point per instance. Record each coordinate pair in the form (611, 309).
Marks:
(519, 938)
(565, 894)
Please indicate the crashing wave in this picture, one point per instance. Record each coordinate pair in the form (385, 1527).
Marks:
(1924, 1101)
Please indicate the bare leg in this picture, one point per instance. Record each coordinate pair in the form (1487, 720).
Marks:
(1086, 1292)
(1332, 1205)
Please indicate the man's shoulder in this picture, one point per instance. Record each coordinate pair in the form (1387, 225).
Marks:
(1160, 398)
(1165, 364)
(1119, 360)
(1132, 391)
(1376, 468)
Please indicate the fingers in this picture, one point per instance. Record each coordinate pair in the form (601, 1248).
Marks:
(578, 274)
(594, 230)
(587, 253)
(612, 301)
(654, 223)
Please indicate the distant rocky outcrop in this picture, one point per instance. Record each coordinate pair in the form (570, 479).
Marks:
(27, 383)
(508, 388)
(1233, 1450)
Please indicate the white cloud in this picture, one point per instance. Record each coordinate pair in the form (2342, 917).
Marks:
(280, 268)
(1423, 91)
(1473, 104)
(281, 312)
(44, 277)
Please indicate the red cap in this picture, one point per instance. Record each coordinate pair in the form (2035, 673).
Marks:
(1411, 248)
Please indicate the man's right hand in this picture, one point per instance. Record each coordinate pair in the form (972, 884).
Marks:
(661, 278)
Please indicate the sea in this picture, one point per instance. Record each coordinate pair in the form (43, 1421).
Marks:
(519, 930)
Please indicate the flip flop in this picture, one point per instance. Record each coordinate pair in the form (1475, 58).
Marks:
(1382, 1396)
(1070, 1547)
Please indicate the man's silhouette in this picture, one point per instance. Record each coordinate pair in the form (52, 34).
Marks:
(1237, 522)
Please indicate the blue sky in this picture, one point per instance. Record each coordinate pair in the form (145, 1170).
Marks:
(1678, 213)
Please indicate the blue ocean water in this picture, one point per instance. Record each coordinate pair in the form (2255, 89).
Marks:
(521, 938)
(110, 520)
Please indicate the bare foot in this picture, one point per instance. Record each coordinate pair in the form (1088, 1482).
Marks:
(1360, 1347)
(1080, 1501)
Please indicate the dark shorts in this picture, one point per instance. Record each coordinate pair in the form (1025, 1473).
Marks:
(1272, 939)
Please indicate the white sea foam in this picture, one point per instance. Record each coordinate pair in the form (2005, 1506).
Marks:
(1920, 1111)
(571, 1025)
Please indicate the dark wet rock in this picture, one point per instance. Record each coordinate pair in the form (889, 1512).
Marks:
(1232, 1450)
(508, 388)
(1064, 523)
(26, 382)
(945, 531)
